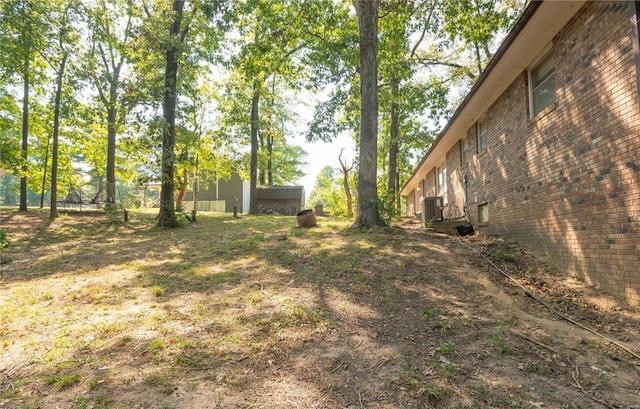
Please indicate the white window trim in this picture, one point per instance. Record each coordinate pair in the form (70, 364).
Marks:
(484, 121)
(442, 189)
(482, 206)
(546, 53)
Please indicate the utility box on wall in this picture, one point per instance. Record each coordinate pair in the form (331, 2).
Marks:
(432, 209)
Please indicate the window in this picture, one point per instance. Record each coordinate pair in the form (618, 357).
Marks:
(542, 85)
(464, 150)
(482, 136)
(442, 182)
(483, 213)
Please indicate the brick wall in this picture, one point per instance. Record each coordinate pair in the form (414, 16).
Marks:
(429, 184)
(455, 188)
(411, 204)
(567, 183)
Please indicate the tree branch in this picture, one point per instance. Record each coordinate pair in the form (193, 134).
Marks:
(433, 61)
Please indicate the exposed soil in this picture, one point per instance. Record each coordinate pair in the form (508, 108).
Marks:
(256, 313)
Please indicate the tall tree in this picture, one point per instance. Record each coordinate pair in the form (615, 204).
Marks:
(367, 214)
(10, 152)
(111, 26)
(270, 39)
(397, 72)
(25, 130)
(22, 22)
(60, 71)
(193, 33)
(62, 24)
(201, 152)
(334, 69)
(177, 34)
(253, 165)
(431, 37)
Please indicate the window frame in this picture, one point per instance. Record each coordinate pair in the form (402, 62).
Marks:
(545, 59)
(483, 214)
(464, 150)
(441, 182)
(482, 136)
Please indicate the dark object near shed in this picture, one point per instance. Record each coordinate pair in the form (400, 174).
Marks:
(306, 218)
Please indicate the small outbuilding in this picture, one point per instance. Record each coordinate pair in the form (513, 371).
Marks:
(287, 200)
(221, 195)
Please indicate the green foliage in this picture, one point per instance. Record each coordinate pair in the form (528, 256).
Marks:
(161, 381)
(446, 347)
(156, 346)
(428, 312)
(435, 395)
(333, 116)
(444, 325)
(387, 208)
(4, 242)
(329, 191)
(498, 338)
(10, 151)
(63, 381)
(448, 371)
(477, 21)
(117, 60)
(503, 255)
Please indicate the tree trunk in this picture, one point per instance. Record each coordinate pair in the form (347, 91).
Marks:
(367, 213)
(111, 150)
(44, 173)
(398, 200)
(184, 181)
(144, 197)
(25, 136)
(347, 192)
(478, 58)
(53, 211)
(196, 187)
(393, 141)
(345, 184)
(487, 52)
(253, 202)
(270, 134)
(262, 172)
(167, 216)
(270, 158)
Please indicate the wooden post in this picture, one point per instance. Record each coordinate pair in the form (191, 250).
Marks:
(235, 211)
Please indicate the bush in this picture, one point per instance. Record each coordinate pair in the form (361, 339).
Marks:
(4, 242)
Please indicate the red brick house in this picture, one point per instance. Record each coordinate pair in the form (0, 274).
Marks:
(545, 149)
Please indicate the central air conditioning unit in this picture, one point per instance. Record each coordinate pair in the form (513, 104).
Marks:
(432, 209)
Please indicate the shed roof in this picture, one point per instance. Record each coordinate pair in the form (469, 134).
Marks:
(280, 193)
(532, 33)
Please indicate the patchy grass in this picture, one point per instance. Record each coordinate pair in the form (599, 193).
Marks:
(255, 312)
(63, 381)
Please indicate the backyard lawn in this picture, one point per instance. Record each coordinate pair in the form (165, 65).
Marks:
(254, 312)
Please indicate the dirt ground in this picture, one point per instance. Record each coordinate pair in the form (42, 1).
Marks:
(256, 313)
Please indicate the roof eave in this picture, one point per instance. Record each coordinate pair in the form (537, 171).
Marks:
(534, 30)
